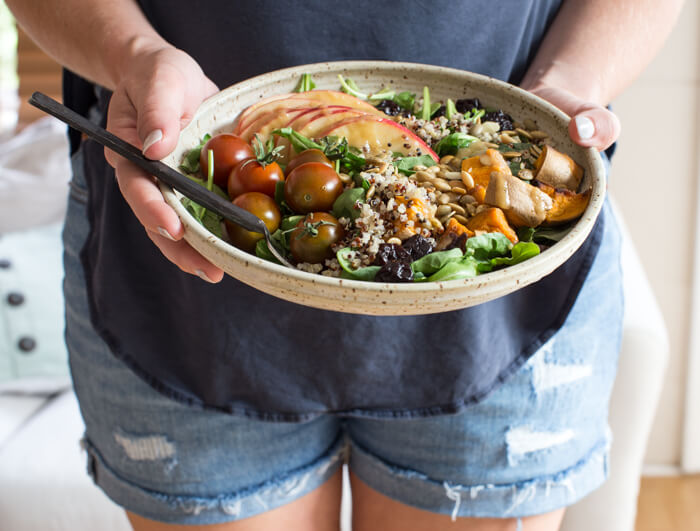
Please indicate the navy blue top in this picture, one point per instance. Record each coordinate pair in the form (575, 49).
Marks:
(230, 347)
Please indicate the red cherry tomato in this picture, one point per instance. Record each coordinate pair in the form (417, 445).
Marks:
(308, 155)
(252, 176)
(229, 150)
(314, 236)
(312, 187)
(262, 206)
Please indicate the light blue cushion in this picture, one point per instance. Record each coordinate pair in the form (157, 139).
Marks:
(33, 355)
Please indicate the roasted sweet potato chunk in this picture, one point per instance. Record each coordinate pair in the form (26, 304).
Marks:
(453, 232)
(492, 220)
(566, 205)
(480, 167)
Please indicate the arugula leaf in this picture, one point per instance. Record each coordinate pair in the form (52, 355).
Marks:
(515, 146)
(406, 100)
(514, 167)
(521, 251)
(433, 262)
(305, 84)
(450, 109)
(425, 112)
(384, 94)
(452, 143)
(468, 267)
(333, 147)
(525, 234)
(345, 205)
(263, 251)
(348, 86)
(190, 163)
(363, 273)
(487, 246)
(406, 164)
(551, 234)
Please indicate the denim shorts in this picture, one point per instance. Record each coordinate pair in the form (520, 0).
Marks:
(537, 443)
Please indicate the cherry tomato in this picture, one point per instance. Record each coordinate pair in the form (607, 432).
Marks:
(229, 150)
(313, 237)
(312, 187)
(262, 206)
(308, 155)
(252, 176)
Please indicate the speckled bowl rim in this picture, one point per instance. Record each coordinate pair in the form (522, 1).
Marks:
(530, 270)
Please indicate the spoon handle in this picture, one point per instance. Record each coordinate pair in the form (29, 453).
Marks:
(156, 168)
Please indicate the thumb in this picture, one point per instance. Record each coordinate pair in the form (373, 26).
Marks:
(591, 125)
(594, 126)
(160, 110)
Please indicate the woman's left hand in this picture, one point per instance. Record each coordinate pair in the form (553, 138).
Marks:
(591, 125)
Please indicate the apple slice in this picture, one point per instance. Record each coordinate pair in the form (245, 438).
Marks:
(270, 109)
(381, 135)
(270, 121)
(322, 121)
(321, 97)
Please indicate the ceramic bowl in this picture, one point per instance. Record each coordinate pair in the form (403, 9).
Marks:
(218, 114)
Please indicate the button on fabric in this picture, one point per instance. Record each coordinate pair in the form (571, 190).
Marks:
(26, 344)
(15, 299)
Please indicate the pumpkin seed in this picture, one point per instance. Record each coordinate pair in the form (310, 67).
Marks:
(451, 175)
(441, 184)
(526, 174)
(467, 180)
(511, 154)
(524, 133)
(461, 219)
(457, 208)
(443, 199)
(423, 176)
(529, 124)
(370, 192)
(538, 135)
(443, 210)
(445, 219)
(458, 190)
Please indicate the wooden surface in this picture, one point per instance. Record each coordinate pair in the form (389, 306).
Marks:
(669, 504)
(37, 71)
(665, 504)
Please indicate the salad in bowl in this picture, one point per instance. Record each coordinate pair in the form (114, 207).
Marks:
(398, 182)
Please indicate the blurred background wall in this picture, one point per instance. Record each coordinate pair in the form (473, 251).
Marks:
(654, 180)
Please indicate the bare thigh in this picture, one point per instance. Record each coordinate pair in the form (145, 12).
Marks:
(319, 510)
(372, 510)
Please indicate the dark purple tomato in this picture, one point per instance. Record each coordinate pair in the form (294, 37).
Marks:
(229, 150)
(314, 236)
(262, 206)
(253, 176)
(312, 187)
(308, 155)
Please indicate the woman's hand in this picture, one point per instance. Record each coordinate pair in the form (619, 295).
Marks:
(591, 125)
(153, 101)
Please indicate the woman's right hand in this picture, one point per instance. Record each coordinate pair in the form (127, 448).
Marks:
(156, 97)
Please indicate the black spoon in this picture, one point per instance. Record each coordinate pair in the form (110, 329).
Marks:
(161, 171)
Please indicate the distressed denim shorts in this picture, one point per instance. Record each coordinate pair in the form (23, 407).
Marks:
(537, 443)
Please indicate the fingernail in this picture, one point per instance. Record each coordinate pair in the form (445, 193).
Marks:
(201, 274)
(585, 127)
(165, 234)
(153, 137)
